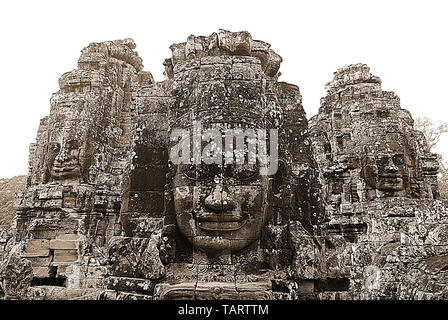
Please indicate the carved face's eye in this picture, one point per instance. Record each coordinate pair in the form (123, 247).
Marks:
(398, 159)
(72, 144)
(382, 161)
(189, 171)
(55, 147)
(244, 172)
(200, 172)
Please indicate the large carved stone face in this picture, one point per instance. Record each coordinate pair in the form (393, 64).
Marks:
(388, 169)
(220, 208)
(66, 157)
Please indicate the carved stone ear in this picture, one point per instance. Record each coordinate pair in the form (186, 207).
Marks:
(86, 155)
(46, 176)
(277, 184)
(280, 175)
(369, 172)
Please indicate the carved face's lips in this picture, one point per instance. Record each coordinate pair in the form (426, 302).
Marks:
(391, 181)
(65, 171)
(391, 177)
(228, 221)
(65, 168)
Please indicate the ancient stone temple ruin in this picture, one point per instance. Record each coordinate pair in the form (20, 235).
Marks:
(351, 210)
(385, 228)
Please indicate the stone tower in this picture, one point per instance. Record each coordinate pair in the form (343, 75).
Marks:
(225, 229)
(71, 206)
(380, 191)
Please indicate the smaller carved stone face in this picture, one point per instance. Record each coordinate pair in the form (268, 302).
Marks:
(66, 157)
(220, 208)
(388, 169)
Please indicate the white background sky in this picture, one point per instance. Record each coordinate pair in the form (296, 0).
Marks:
(404, 43)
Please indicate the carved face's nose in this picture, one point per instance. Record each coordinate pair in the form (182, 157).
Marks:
(219, 200)
(68, 152)
(391, 167)
(62, 155)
